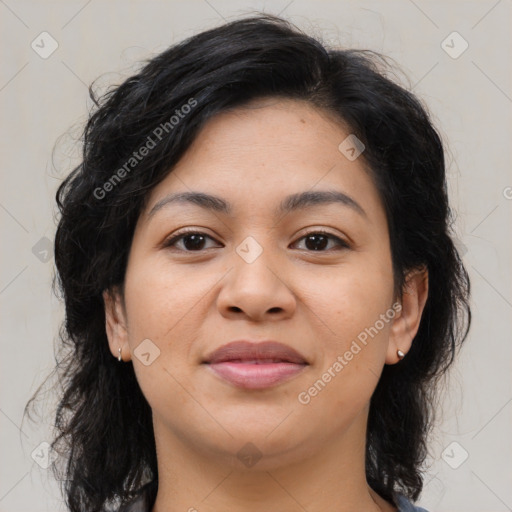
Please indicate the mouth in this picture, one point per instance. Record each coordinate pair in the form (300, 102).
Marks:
(252, 365)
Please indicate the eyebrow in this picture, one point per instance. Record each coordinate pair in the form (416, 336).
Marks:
(289, 204)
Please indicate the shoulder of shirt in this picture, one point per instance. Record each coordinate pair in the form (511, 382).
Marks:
(404, 505)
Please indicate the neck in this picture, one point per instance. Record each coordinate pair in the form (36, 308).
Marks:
(331, 478)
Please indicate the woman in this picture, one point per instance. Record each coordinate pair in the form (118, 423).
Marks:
(260, 282)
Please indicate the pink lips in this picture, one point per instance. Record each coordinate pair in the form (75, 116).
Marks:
(255, 365)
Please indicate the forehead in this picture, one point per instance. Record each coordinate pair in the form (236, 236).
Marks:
(270, 130)
(259, 153)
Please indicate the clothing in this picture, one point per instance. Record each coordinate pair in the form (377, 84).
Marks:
(146, 497)
(404, 505)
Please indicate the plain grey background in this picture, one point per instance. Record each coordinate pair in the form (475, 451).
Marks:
(457, 56)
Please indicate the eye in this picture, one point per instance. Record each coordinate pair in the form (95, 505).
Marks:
(318, 240)
(193, 241)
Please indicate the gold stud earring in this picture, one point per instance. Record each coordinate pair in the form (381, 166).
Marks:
(119, 356)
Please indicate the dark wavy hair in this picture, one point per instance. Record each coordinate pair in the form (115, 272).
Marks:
(104, 423)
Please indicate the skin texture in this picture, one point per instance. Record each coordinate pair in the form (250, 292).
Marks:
(318, 302)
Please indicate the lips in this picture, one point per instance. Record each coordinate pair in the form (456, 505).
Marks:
(255, 365)
(256, 353)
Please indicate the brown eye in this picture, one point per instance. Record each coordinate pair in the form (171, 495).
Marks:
(195, 241)
(319, 240)
(192, 241)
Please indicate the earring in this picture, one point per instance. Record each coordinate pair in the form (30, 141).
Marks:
(400, 354)
(119, 356)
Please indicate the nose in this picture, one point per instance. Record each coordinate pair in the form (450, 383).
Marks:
(256, 291)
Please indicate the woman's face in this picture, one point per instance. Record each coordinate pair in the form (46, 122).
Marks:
(253, 274)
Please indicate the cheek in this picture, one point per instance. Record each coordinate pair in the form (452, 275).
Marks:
(358, 312)
(159, 295)
(355, 318)
(163, 306)
(352, 357)
(168, 306)
(350, 298)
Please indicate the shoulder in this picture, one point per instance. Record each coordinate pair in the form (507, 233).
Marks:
(143, 501)
(404, 505)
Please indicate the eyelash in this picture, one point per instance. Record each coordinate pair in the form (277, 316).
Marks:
(183, 234)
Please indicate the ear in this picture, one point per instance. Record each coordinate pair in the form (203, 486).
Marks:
(115, 323)
(407, 321)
